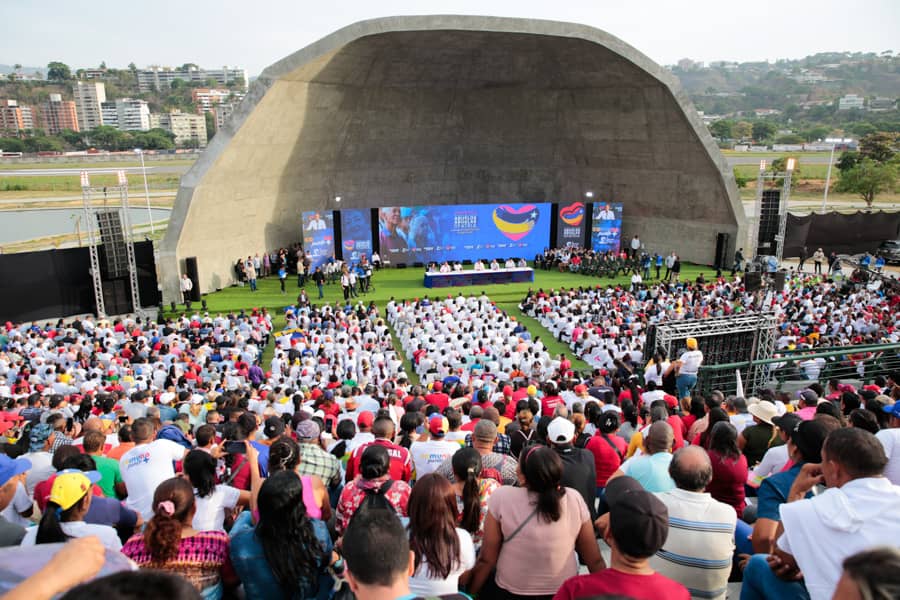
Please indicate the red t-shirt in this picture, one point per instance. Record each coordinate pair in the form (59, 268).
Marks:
(606, 460)
(439, 399)
(729, 477)
(549, 404)
(401, 463)
(613, 582)
(678, 430)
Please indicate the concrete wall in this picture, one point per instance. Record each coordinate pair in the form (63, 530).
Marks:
(447, 110)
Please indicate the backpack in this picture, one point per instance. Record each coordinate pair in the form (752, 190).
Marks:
(375, 499)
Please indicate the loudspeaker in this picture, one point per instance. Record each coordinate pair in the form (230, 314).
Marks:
(190, 267)
(418, 265)
(753, 281)
(768, 222)
(721, 251)
(116, 296)
(779, 279)
(115, 253)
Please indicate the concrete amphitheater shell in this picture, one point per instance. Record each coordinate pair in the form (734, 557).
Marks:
(452, 110)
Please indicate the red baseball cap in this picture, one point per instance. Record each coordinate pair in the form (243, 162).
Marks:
(437, 425)
(365, 419)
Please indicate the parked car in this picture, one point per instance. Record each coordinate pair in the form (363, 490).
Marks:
(890, 250)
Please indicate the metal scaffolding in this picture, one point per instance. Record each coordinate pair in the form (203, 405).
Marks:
(762, 177)
(90, 214)
(735, 339)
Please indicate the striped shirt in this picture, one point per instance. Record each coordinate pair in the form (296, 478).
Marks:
(699, 548)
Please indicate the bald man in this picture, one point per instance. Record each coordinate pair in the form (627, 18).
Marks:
(107, 428)
(699, 548)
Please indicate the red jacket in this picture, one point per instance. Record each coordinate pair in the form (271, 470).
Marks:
(401, 463)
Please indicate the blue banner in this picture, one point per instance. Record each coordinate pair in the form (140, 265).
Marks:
(356, 233)
(570, 225)
(606, 229)
(466, 231)
(318, 236)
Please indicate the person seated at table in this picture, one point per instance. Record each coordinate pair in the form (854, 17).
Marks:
(457, 266)
(445, 268)
(510, 264)
(479, 265)
(522, 264)
(495, 266)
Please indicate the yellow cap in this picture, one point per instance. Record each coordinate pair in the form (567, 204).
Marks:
(692, 344)
(70, 486)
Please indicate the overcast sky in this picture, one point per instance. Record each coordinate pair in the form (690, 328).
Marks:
(255, 33)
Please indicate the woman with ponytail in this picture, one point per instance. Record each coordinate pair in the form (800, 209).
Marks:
(443, 553)
(170, 543)
(284, 455)
(472, 493)
(63, 516)
(540, 518)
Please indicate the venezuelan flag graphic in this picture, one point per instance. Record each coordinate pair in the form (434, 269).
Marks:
(572, 214)
(515, 223)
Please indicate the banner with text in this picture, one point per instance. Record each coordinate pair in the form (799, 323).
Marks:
(606, 228)
(426, 234)
(570, 225)
(318, 236)
(356, 233)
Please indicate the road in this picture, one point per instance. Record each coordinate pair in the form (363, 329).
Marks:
(179, 169)
(752, 158)
(135, 196)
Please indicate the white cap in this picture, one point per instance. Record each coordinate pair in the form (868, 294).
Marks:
(197, 399)
(166, 397)
(560, 431)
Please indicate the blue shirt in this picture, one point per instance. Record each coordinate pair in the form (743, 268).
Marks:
(249, 562)
(773, 492)
(652, 471)
(263, 452)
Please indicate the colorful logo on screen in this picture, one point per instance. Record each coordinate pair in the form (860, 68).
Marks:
(515, 223)
(572, 214)
(349, 245)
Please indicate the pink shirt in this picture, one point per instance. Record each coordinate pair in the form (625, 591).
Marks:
(517, 569)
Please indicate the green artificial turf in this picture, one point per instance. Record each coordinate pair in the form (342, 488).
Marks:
(403, 284)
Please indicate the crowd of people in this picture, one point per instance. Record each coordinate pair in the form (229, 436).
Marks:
(605, 326)
(492, 468)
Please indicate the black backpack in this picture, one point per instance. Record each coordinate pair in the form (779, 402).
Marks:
(376, 500)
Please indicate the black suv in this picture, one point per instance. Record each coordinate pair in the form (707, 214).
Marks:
(890, 250)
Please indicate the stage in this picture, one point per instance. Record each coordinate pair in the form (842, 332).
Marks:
(434, 279)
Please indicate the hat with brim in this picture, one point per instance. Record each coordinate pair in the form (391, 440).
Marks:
(71, 485)
(764, 410)
(10, 467)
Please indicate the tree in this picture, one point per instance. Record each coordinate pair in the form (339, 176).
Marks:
(11, 145)
(721, 129)
(58, 71)
(72, 138)
(742, 130)
(132, 67)
(847, 161)
(867, 179)
(188, 67)
(210, 126)
(103, 64)
(791, 138)
(763, 130)
(740, 180)
(43, 144)
(779, 165)
(878, 146)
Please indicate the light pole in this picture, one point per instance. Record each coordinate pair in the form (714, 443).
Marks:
(828, 178)
(140, 153)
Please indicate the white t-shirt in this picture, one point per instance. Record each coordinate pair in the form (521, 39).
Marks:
(210, 515)
(80, 529)
(143, 468)
(890, 439)
(421, 584)
(429, 455)
(691, 362)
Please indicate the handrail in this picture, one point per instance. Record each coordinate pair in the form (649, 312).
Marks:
(845, 350)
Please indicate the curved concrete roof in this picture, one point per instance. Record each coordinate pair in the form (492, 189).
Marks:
(453, 109)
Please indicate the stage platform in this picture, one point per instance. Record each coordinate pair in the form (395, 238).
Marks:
(435, 279)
